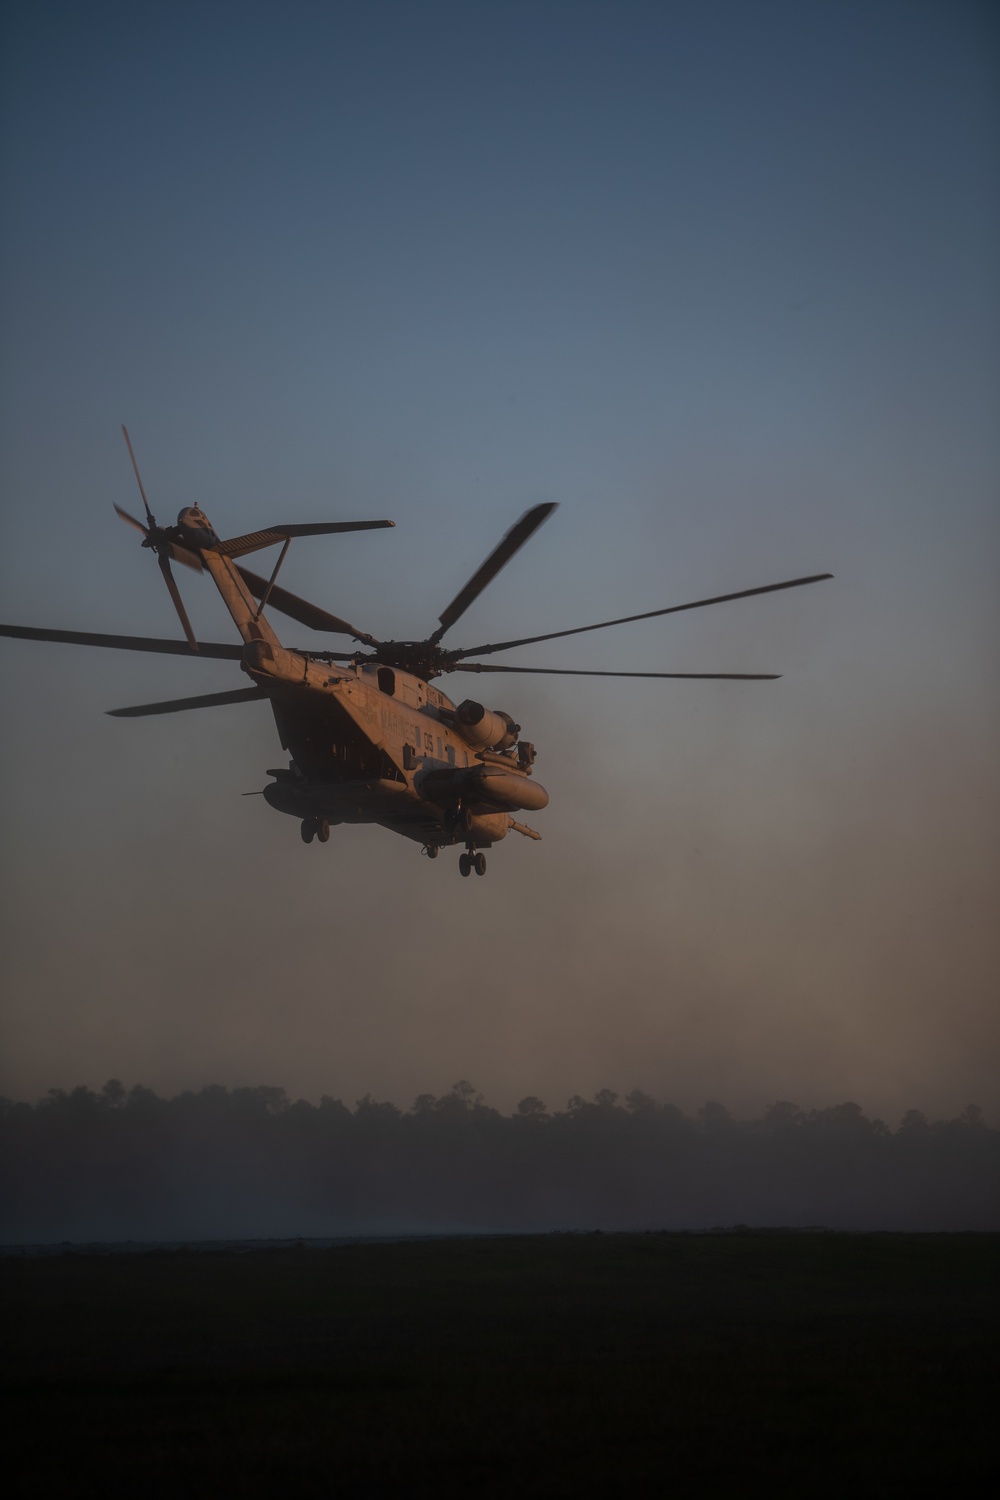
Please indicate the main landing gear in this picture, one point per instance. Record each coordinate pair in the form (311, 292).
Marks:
(471, 859)
(315, 828)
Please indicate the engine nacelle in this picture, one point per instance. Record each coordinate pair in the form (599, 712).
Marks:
(485, 728)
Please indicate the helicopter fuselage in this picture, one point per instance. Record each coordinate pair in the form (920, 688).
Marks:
(373, 743)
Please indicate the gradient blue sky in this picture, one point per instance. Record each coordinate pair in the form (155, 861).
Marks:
(722, 280)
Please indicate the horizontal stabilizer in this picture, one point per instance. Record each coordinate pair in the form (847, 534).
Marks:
(175, 705)
(253, 541)
(216, 649)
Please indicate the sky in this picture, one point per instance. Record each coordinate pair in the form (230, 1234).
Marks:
(720, 280)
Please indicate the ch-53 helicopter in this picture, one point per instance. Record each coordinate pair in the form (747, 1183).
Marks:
(371, 740)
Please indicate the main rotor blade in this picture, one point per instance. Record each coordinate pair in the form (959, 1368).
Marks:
(142, 492)
(186, 556)
(215, 650)
(501, 554)
(324, 655)
(475, 666)
(300, 609)
(253, 541)
(674, 609)
(175, 705)
(174, 591)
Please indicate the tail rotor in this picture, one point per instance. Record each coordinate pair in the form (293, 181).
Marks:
(160, 541)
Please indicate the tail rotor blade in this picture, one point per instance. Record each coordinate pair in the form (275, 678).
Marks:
(131, 521)
(135, 466)
(175, 595)
(178, 553)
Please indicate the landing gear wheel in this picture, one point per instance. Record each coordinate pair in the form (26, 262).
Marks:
(464, 864)
(479, 861)
(308, 830)
(322, 830)
(432, 851)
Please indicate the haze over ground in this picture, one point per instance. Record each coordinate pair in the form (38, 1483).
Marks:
(721, 280)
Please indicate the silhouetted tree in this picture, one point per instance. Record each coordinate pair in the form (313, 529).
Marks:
(532, 1108)
(123, 1164)
(715, 1118)
(113, 1094)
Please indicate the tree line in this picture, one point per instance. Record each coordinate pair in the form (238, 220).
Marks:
(251, 1163)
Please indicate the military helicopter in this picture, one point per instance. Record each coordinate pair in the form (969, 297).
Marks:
(371, 740)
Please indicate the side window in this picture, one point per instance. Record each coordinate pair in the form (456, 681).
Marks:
(440, 755)
(451, 755)
(387, 681)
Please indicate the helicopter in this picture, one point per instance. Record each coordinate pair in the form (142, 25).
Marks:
(369, 736)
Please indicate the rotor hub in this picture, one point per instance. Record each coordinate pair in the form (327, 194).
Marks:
(420, 658)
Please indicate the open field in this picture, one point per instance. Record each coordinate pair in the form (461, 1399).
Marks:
(549, 1365)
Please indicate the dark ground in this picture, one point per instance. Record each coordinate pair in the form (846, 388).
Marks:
(554, 1365)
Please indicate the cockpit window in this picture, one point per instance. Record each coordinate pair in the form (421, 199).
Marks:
(387, 681)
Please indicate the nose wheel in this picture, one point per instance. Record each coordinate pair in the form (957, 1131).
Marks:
(472, 860)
